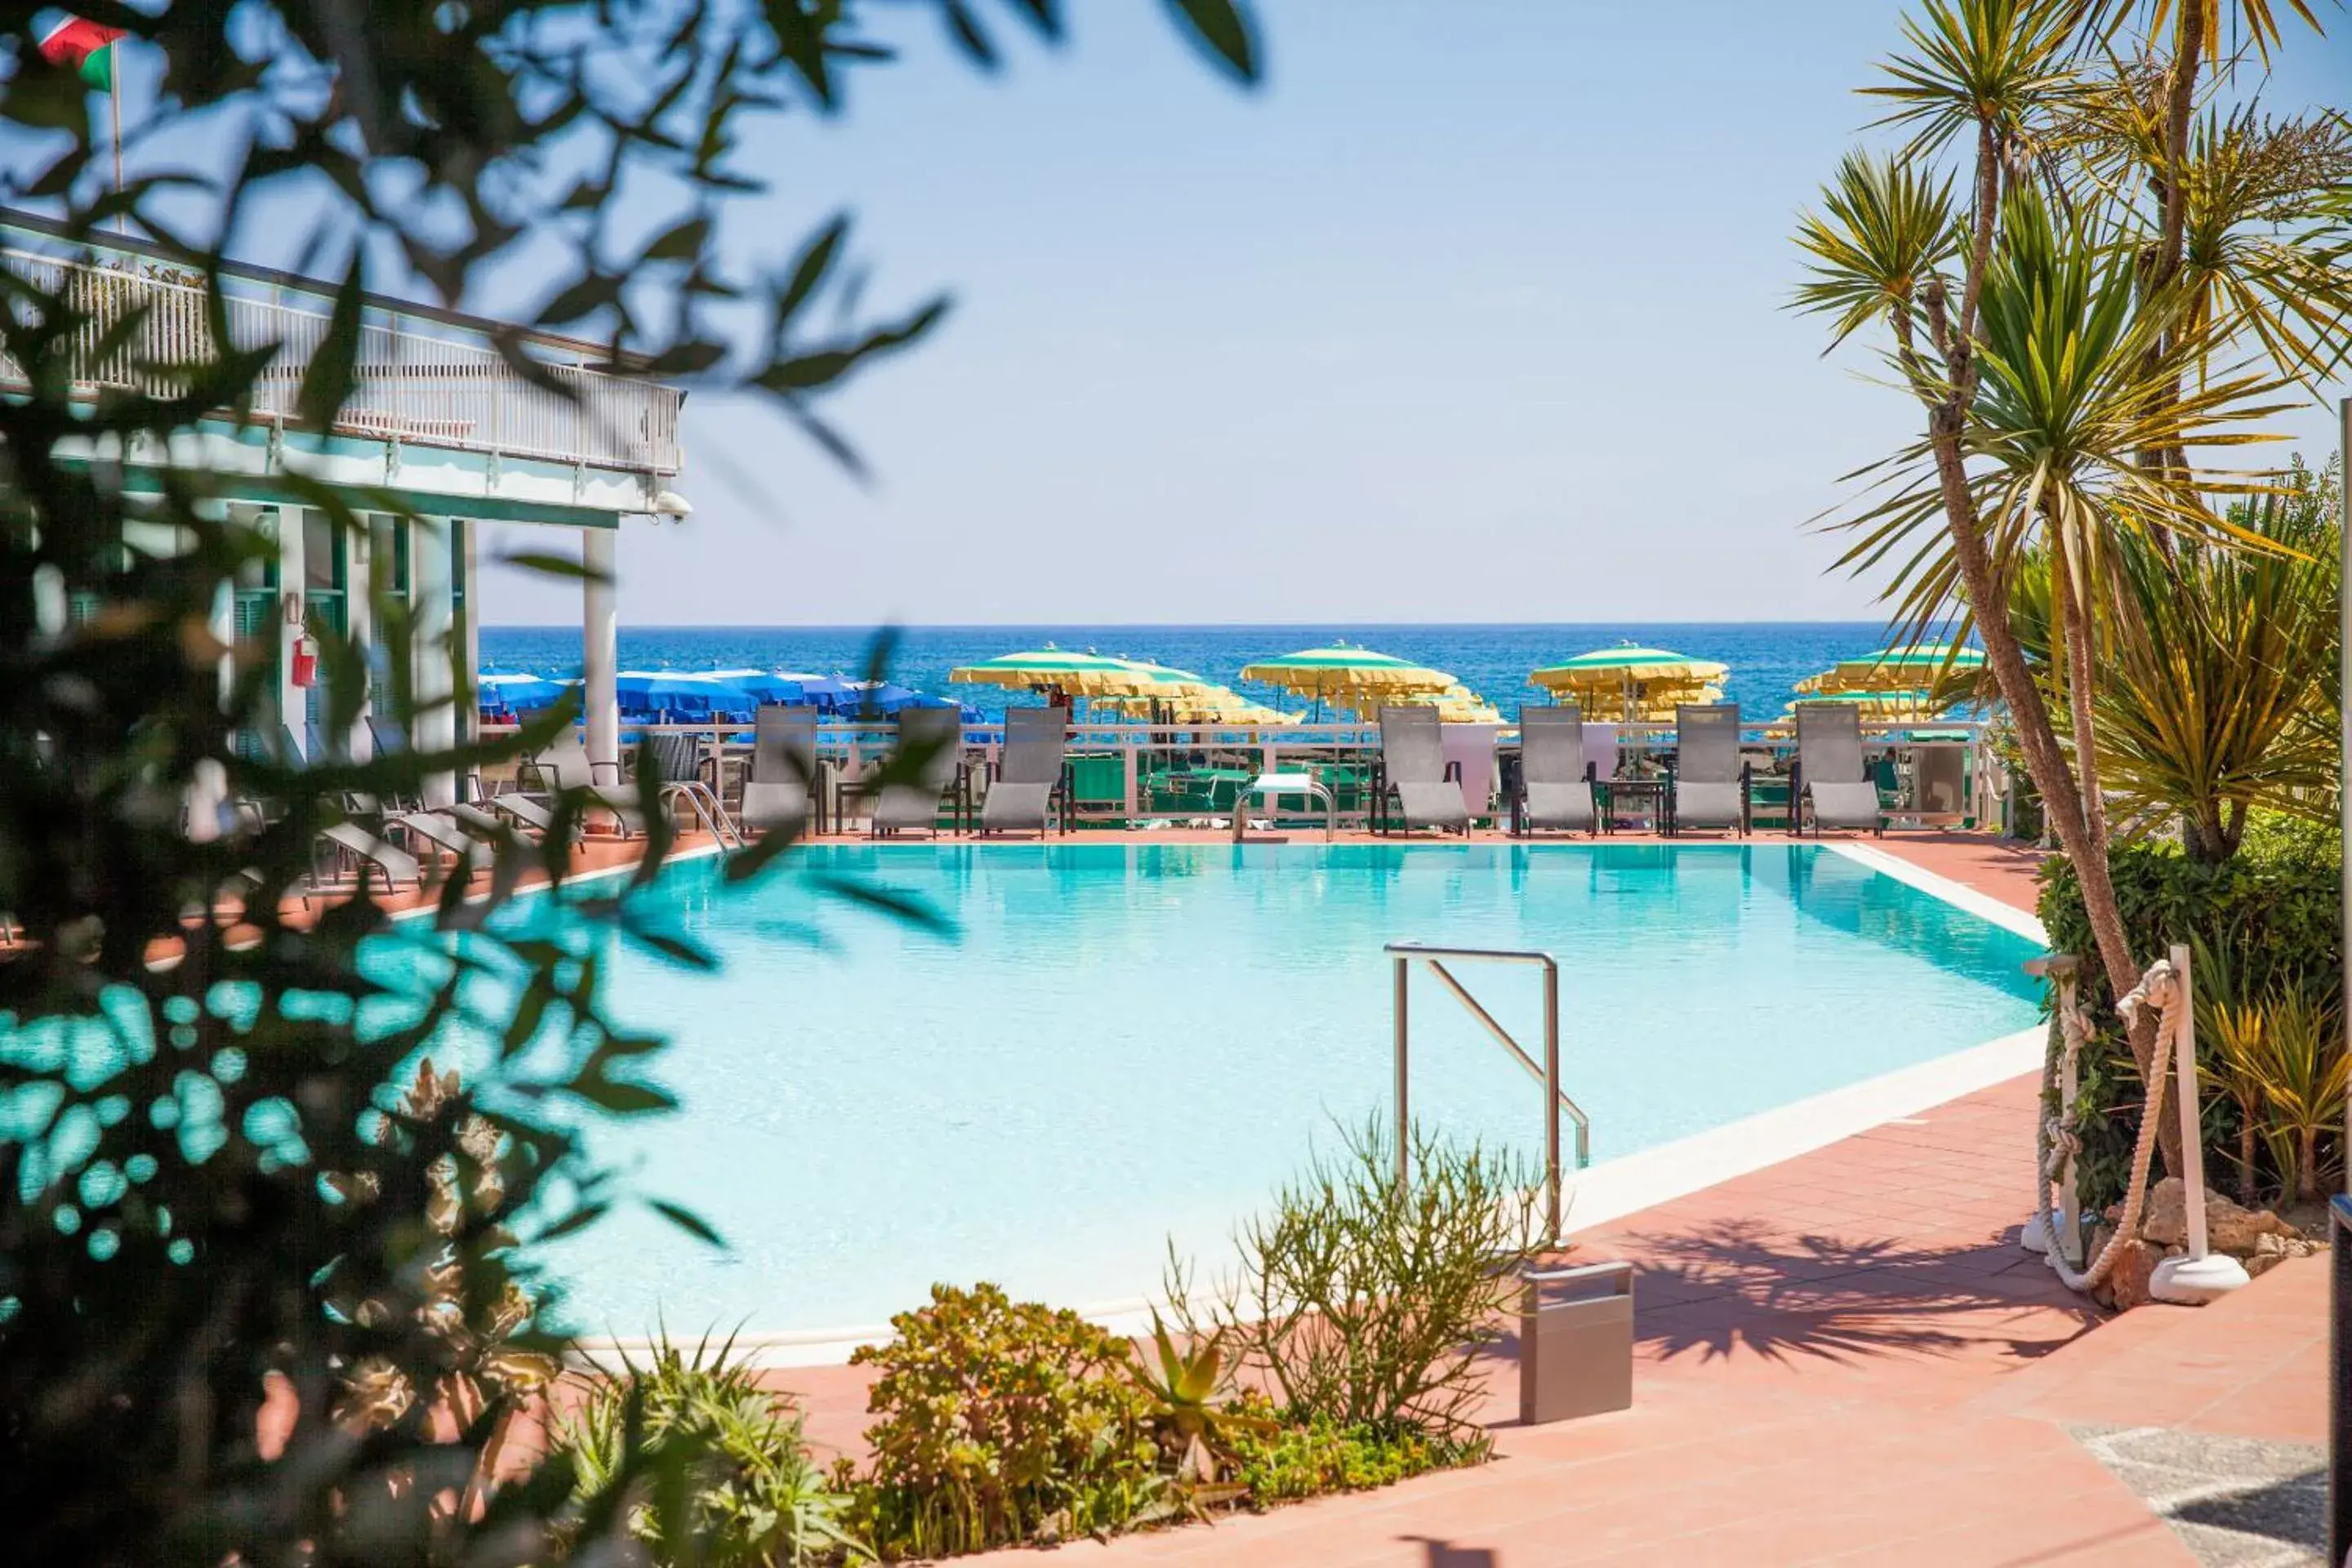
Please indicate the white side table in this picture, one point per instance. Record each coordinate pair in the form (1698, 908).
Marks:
(1282, 785)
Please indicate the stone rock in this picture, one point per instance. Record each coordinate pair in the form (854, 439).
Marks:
(2126, 1283)
(2164, 1220)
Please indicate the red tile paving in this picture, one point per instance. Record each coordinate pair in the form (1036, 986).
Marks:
(1842, 1358)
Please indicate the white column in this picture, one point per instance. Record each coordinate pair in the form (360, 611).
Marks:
(432, 727)
(291, 707)
(208, 787)
(469, 719)
(359, 622)
(600, 644)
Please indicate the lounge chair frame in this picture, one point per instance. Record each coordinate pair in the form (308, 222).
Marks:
(786, 778)
(1837, 785)
(1412, 772)
(915, 807)
(1033, 767)
(1712, 783)
(1546, 797)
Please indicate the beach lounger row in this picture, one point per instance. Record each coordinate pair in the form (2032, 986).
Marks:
(1711, 786)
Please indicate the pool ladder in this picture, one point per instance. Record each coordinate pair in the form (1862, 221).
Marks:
(707, 810)
(1404, 956)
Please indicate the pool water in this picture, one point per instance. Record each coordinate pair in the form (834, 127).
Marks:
(1122, 1044)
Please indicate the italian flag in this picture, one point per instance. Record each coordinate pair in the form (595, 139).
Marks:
(83, 48)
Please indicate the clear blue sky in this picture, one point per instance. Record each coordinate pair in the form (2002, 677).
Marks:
(1471, 311)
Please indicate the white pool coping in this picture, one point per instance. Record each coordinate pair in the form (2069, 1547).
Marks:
(1960, 895)
(1626, 1185)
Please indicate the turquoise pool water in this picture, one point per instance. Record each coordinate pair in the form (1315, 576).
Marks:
(1125, 1044)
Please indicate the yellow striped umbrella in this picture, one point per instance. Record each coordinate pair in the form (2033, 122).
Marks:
(1457, 704)
(1087, 674)
(1636, 682)
(1322, 673)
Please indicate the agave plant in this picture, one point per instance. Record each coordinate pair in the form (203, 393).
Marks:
(1186, 1405)
(733, 1482)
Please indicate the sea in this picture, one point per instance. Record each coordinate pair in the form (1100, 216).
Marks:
(1767, 657)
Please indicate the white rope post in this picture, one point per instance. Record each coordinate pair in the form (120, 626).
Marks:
(2197, 1276)
(2056, 1140)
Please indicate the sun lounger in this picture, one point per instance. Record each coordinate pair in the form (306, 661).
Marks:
(1832, 784)
(565, 766)
(443, 831)
(1028, 775)
(1711, 781)
(497, 813)
(397, 865)
(930, 738)
(1555, 781)
(783, 782)
(1414, 774)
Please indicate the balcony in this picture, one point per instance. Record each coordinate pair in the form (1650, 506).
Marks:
(425, 377)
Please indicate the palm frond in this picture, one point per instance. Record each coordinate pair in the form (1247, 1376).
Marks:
(2007, 65)
(1886, 227)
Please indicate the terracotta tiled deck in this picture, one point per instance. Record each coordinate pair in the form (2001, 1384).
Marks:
(1842, 1358)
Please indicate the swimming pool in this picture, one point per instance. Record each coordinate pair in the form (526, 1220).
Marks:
(1125, 1043)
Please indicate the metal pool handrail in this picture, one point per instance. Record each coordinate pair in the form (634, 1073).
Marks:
(1556, 1098)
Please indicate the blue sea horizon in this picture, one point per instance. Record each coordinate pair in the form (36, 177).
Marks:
(1767, 657)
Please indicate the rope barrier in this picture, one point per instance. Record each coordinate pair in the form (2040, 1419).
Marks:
(2057, 1142)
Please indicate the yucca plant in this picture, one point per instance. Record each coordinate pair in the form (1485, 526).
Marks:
(2229, 1046)
(2301, 1067)
(2216, 692)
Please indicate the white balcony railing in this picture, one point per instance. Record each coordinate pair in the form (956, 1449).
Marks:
(423, 381)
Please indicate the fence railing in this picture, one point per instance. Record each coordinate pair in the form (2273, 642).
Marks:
(1189, 772)
(417, 380)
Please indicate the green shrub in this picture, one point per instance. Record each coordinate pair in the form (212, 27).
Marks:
(1002, 1422)
(1364, 1302)
(1298, 1456)
(2268, 918)
(747, 1495)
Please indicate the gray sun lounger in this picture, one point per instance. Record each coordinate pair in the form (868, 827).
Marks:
(937, 734)
(398, 865)
(1710, 778)
(1414, 775)
(1555, 781)
(565, 766)
(443, 832)
(1832, 777)
(1029, 773)
(783, 782)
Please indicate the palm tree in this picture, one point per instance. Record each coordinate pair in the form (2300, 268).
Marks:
(2202, 180)
(2046, 359)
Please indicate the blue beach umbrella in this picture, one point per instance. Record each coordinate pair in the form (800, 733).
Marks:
(643, 693)
(522, 693)
(767, 685)
(828, 693)
(882, 697)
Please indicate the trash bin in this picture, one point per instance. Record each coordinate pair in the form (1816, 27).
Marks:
(1576, 1342)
